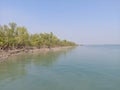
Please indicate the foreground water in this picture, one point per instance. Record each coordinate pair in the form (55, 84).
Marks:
(80, 68)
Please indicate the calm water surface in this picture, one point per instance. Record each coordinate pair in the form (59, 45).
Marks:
(80, 68)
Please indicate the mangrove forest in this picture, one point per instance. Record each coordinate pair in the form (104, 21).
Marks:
(18, 37)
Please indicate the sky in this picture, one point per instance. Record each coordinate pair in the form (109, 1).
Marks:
(81, 21)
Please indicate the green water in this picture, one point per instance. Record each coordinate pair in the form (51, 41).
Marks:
(80, 68)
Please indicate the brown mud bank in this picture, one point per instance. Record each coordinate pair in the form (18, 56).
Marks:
(6, 54)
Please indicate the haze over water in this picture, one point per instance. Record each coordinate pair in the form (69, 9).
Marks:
(78, 68)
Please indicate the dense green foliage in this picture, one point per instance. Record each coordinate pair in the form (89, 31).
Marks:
(15, 37)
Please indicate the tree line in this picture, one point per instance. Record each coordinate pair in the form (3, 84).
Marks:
(17, 37)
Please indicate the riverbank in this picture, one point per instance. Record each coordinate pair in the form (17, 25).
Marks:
(6, 54)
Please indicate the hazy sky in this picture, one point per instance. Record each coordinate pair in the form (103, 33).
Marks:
(82, 21)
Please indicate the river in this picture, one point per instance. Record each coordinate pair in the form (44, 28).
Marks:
(94, 67)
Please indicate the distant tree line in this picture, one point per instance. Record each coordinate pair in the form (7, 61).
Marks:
(17, 37)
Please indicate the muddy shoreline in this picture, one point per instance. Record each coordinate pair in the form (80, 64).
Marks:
(6, 54)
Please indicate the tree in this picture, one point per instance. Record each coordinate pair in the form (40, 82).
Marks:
(22, 37)
(13, 36)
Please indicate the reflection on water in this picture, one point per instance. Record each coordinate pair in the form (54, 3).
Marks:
(16, 67)
(81, 68)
